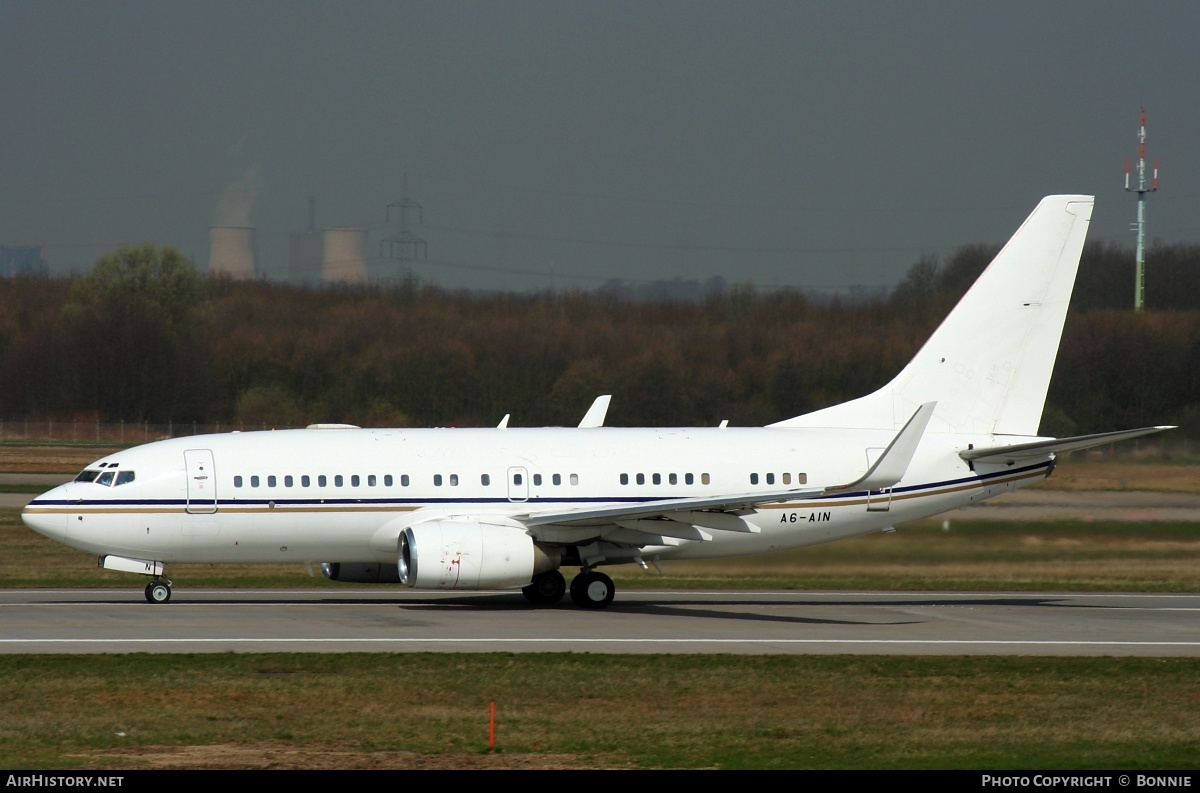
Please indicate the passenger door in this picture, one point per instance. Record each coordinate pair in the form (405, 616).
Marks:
(201, 481)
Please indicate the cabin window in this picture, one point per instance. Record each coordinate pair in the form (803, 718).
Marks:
(453, 480)
(770, 479)
(322, 481)
(305, 481)
(754, 479)
(689, 479)
(657, 479)
(354, 480)
(124, 477)
(254, 481)
(387, 480)
(802, 479)
(557, 479)
(537, 479)
(517, 479)
(704, 479)
(641, 479)
(288, 481)
(271, 481)
(437, 480)
(337, 480)
(787, 479)
(237, 481)
(404, 480)
(485, 480)
(673, 479)
(370, 480)
(87, 476)
(574, 479)
(624, 479)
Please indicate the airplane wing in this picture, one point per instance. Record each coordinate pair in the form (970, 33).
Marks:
(887, 471)
(1010, 455)
(653, 509)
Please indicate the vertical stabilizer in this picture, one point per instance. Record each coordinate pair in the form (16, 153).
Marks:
(988, 364)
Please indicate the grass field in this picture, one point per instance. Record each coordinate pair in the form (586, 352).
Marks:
(597, 711)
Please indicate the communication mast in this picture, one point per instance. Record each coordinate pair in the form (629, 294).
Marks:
(1139, 285)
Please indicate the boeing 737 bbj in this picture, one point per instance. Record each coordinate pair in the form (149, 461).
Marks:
(470, 509)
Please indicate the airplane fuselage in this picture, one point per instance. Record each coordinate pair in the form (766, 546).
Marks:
(345, 495)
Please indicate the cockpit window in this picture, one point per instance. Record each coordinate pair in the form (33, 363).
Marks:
(87, 476)
(124, 477)
(106, 478)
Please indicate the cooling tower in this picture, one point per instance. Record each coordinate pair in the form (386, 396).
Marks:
(345, 259)
(232, 251)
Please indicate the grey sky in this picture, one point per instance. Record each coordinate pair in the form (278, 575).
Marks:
(791, 143)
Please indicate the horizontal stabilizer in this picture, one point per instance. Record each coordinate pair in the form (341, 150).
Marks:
(893, 463)
(1008, 455)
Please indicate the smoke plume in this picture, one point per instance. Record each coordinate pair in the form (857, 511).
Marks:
(237, 200)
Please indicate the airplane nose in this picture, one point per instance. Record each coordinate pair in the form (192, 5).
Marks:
(41, 516)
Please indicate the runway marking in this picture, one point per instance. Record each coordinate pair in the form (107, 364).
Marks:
(764, 607)
(469, 640)
(408, 594)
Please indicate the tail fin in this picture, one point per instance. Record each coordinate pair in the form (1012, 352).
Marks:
(988, 364)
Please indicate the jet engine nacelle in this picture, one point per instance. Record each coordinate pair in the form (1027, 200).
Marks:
(461, 554)
(361, 572)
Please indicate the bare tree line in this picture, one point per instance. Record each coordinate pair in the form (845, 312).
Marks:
(145, 340)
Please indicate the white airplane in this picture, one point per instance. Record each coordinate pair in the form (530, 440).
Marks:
(470, 509)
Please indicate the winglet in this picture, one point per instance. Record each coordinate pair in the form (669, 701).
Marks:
(597, 412)
(503, 425)
(891, 465)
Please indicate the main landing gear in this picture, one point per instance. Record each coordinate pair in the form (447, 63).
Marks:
(158, 591)
(592, 590)
(546, 589)
(589, 589)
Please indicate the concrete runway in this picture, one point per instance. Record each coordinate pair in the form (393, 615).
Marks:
(789, 623)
